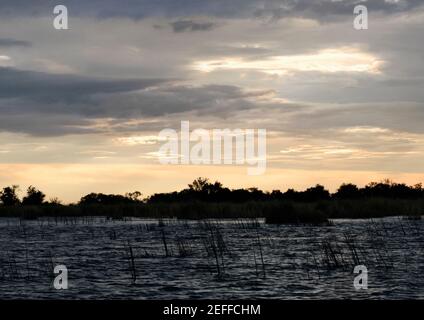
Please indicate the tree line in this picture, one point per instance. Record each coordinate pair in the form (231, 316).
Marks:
(202, 190)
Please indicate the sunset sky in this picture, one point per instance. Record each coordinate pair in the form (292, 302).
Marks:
(81, 109)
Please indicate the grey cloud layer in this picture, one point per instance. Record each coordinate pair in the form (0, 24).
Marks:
(219, 8)
(45, 87)
(47, 104)
(42, 104)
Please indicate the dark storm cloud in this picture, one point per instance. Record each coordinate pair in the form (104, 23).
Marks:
(42, 104)
(218, 8)
(45, 87)
(8, 42)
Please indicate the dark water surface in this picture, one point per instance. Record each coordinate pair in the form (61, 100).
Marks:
(242, 259)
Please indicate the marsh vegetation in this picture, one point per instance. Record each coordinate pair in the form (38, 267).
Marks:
(243, 258)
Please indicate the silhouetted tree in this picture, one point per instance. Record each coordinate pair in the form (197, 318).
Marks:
(106, 199)
(200, 184)
(256, 195)
(34, 197)
(316, 193)
(202, 190)
(348, 191)
(134, 196)
(163, 197)
(8, 196)
(55, 201)
(292, 194)
(377, 189)
(276, 195)
(214, 188)
(418, 190)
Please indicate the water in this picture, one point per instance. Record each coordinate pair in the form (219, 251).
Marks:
(241, 259)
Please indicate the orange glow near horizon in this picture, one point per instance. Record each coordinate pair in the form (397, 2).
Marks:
(69, 182)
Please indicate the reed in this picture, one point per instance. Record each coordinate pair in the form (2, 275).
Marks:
(132, 267)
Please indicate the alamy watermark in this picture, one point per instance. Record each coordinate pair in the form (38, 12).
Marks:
(60, 282)
(214, 147)
(361, 280)
(360, 21)
(60, 21)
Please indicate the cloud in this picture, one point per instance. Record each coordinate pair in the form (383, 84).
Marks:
(7, 42)
(328, 9)
(321, 119)
(190, 25)
(46, 87)
(37, 124)
(139, 140)
(44, 104)
(5, 61)
(330, 60)
(275, 9)
(165, 100)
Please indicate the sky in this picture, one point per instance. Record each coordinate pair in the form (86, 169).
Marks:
(81, 109)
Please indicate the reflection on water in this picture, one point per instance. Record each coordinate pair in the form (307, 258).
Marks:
(242, 259)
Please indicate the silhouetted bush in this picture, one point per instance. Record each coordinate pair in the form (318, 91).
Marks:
(107, 199)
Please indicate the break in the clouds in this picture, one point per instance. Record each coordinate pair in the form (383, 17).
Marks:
(330, 97)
